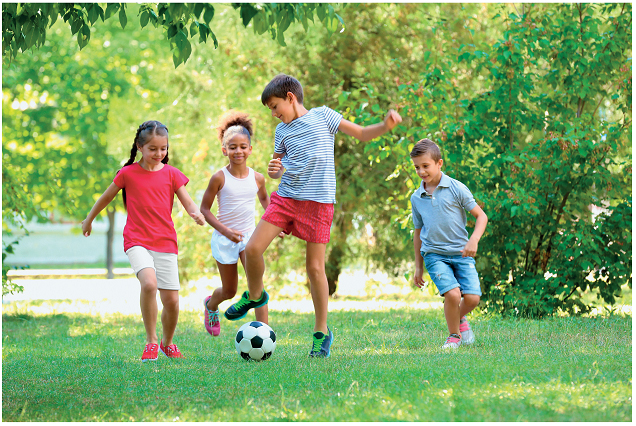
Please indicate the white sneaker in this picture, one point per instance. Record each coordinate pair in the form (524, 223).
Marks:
(468, 337)
(453, 341)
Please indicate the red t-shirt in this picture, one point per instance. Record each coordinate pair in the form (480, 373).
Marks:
(149, 199)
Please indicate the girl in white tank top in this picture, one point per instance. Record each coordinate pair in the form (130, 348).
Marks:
(236, 187)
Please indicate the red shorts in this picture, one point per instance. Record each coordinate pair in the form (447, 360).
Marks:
(308, 220)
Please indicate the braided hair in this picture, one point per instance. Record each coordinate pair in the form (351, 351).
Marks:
(233, 123)
(145, 133)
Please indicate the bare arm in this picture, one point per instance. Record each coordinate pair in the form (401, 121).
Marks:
(216, 183)
(190, 206)
(275, 168)
(263, 196)
(480, 226)
(419, 261)
(365, 134)
(100, 204)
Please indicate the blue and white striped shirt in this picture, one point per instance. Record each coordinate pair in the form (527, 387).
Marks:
(307, 143)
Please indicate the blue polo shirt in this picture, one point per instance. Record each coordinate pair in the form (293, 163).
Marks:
(441, 216)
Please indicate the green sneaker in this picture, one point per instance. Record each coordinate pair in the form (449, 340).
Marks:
(240, 308)
(322, 345)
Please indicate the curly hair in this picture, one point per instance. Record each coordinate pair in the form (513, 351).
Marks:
(232, 123)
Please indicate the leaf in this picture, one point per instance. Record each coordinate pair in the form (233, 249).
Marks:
(123, 20)
(111, 9)
(209, 14)
(144, 18)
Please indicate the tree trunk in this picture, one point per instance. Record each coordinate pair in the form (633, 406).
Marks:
(110, 236)
(334, 266)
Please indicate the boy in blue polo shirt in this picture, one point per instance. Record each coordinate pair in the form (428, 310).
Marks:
(303, 204)
(441, 240)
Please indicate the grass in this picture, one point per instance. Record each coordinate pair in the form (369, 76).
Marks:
(385, 366)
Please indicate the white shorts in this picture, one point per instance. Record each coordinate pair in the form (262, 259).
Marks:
(164, 264)
(226, 251)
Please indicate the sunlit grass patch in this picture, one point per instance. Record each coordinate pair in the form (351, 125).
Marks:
(386, 365)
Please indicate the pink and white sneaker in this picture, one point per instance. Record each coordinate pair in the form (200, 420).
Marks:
(453, 341)
(211, 319)
(468, 337)
(171, 351)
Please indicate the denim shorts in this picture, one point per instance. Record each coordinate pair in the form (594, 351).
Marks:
(449, 272)
(226, 251)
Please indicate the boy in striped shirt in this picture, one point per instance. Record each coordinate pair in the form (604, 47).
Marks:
(303, 204)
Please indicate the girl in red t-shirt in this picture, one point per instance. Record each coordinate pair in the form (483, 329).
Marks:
(150, 240)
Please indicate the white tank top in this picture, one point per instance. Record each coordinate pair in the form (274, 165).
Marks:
(237, 201)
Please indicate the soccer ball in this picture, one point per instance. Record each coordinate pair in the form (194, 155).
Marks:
(255, 341)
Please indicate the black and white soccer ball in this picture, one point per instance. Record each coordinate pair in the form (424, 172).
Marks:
(255, 341)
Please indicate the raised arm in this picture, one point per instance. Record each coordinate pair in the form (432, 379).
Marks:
(100, 204)
(190, 206)
(365, 134)
(275, 167)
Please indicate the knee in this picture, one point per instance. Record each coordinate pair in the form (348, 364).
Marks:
(453, 296)
(228, 293)
(252, 250)
(315, 269)
(148, 284)
(471, 300)
(170, 303)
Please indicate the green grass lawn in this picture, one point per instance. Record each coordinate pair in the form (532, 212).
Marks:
(384, 366)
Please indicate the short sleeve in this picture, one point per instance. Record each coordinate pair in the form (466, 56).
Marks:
(120, 179)
(466, 197)
(279, 147)
(332, 118)
(418, 223)
(178, 179)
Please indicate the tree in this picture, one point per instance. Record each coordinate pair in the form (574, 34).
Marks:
(64, 98)
(547, 137)
(24, 25)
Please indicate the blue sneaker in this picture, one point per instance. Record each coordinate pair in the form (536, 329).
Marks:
(322, 345)
(240, 308)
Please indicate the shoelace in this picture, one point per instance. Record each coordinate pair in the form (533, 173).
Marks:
(213, 316)
(318, 344)
(242, 302)
(453, 338)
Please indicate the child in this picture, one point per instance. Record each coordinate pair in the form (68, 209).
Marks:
(235, 186)
(303, 204)
(150, 240)
(441, 240)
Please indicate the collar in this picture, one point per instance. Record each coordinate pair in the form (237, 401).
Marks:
(444, 182)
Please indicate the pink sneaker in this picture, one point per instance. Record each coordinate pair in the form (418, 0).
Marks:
(151, 352)
(453, 341)
(468, 337)
(171, 351)
(211, 319)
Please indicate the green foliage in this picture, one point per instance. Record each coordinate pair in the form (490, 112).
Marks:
(99, 377)
(24, 25)
(547, 136)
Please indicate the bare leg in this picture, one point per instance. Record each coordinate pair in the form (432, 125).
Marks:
(262, 237)
(451, 309)
(229, 282)
(319, 284)
(262, 312)
(169, 314)
(148, 303)
(468, 303)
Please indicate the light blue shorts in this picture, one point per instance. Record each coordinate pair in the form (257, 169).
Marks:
(226, 251)
(449, 272)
